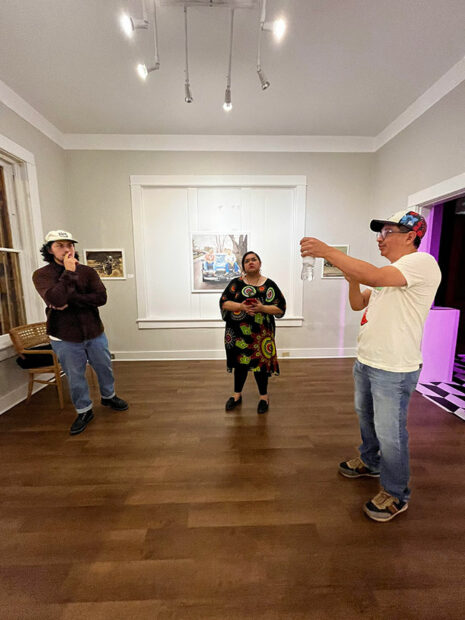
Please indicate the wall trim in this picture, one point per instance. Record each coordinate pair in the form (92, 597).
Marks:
(25, 110)
(228, 143)
(440, 192)
(194, 323)
(218, 354)
(241, 143)
(436, 92)
(217, 180)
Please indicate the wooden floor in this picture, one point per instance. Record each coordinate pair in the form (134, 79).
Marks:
(175, 509)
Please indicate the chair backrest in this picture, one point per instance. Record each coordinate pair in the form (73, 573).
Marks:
(27, 336)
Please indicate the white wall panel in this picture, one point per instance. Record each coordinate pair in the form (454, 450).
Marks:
(166, 213)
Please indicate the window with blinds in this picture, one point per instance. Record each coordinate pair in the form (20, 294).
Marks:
(12, 310)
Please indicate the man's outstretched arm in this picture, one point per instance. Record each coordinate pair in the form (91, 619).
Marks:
(356, 269)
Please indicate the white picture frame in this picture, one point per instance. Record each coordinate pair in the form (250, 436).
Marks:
(109, 264)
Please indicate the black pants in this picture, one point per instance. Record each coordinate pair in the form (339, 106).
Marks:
(240, 376)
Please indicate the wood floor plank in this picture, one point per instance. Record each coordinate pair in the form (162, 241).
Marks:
(176, 509)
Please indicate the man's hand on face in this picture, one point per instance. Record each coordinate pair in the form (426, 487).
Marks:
(309, 246)
(69, 261)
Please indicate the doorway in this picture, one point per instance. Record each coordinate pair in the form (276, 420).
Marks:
(451, 259)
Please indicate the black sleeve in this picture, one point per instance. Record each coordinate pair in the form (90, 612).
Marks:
(274, 297)
(230, 293)
(95, 296)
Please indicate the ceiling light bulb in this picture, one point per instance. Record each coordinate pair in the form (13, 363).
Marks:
(227, 105)
(188, 98)
(263, 81)
(279, 28)
(126, 25)
(142, 71)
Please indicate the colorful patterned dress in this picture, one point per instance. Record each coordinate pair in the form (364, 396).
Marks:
(249, 340)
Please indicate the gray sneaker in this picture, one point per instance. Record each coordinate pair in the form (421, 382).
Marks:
(384, 507)
(356, 468)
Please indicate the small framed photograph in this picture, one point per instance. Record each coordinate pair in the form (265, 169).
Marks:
(216, 259)
(109, 264)
(329, 271)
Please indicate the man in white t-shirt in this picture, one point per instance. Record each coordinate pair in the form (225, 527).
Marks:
(389, 350)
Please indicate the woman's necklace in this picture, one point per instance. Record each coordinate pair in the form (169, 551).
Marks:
(253, 283)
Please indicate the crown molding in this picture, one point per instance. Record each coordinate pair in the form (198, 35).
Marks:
(23, 109)
(244, 143)
(450, 80)
(236, 143)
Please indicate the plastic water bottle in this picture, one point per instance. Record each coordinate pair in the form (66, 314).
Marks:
(308, 268)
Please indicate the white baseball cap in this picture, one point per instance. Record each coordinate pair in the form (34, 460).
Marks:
(59, 235)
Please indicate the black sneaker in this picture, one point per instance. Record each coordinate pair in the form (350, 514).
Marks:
(118, 404)
(81, 422)
(356, 468)
(232, 404)
(384, 507)
(262, 406)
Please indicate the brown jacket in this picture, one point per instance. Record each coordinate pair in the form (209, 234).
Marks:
(82, 290)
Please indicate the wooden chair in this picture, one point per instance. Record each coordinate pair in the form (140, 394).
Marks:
(24, 338)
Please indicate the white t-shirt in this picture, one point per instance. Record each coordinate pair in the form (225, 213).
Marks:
(392, 325)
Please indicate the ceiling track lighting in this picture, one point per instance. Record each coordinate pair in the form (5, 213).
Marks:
(227, 105)
(130, 24)
(187, 87)
(278, 27)
(142, 69)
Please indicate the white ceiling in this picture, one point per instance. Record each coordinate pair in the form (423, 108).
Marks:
(345, 68)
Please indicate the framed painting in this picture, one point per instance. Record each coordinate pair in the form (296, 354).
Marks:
(216, 259)
(109, 264)
(329, 271)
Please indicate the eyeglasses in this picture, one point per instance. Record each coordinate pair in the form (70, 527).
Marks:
(382, 234)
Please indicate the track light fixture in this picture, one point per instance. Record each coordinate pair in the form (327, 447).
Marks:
(142, 69)
(263, 81)
(130, 24)
(187, 87)
(227, 105)
(278, 27)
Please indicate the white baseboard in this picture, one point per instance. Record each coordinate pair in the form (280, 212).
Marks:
(9, 400)
(219, 354)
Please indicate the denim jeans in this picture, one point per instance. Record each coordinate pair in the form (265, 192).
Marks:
(381, 403)
(73, 357)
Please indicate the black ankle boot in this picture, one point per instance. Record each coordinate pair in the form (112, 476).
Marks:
(81, 422)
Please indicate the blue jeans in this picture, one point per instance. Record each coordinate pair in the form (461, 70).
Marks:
(73, 357)
(381, 403)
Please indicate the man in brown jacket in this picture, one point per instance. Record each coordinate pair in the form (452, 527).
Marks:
(73, 293)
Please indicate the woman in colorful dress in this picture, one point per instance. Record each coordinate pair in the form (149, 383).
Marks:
(248, 305)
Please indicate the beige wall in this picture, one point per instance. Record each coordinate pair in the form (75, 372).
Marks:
(339, 198)
(430, 150)
(50, 164)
